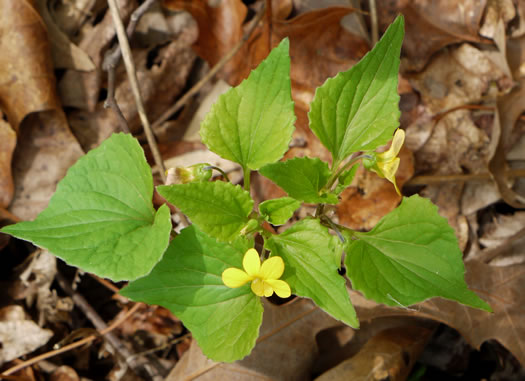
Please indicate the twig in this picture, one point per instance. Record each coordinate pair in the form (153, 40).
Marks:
(71, 346)
(112, 58)
(373, 21)
(165, 345)
(110, 101)
(138, 367)
(218, 66)
(132, 75)
(435, 179)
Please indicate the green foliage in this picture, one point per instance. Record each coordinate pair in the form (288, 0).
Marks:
(312, 257)
(252, 123)
(346, 178)
(101, 217)
(279, 210)
(357, 110)
(411, 255)
(302, 178)
(219, 209)
(224, 321)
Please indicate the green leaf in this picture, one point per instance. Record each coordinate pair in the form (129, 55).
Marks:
(218, 208)
(224, 321)
(279, 210)
(302, 178)
(252, 124)
(411, 255)
(346, 178)
(101, 217)
(357, 110)
(312, 257)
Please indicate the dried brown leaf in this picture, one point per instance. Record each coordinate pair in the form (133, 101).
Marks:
(7, 147)
(41, 159)
(80, 89)
(66, 55)
(501, 287)
(220, 28)
(370, 197)
(389, 355)
(27, 81)
(430, 26)
(19, 335)
(508, 110)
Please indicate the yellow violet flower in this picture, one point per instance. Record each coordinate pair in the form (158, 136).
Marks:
(264, 278)
(385, 164)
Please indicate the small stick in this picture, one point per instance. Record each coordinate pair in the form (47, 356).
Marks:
(132, 75)
(81, 302)
(373, 21)
(435, 179)
(218, 66)
(71, 346)
(112, 58)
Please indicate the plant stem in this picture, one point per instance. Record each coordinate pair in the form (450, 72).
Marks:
(219, 170)
(247, 174)
(337, 173)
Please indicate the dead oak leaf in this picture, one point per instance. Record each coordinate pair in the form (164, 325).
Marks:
(501, 287)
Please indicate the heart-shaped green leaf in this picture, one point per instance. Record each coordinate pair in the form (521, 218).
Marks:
(101, 217)
(252, 123)
(357, 110)
(312, 257)
(411, 255)
(218, 208)
(279, 210)
(302, 178)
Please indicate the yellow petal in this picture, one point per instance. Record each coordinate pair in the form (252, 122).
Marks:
(233, 277)
(395, 147)
(390, 172)
(258, 287)
(251, 262)
(272, 268)
(399, 139)
(389, 169)
(281, 288)
(268, 290)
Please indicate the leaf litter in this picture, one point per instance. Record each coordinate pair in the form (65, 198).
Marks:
(461, 81)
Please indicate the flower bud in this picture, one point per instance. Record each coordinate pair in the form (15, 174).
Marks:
(194, 173)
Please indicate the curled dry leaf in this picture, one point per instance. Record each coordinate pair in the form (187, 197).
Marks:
(19, 335)
(27, 93)
(41, 159)
(220, 28)
(80, 89)
(160, 83)
(27, 80)
(430, 26)
(285, 349)
(66, 55)
(501, 287)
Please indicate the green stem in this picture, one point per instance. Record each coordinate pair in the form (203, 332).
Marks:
(247, 174)
(219, 170)
(336, 174)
